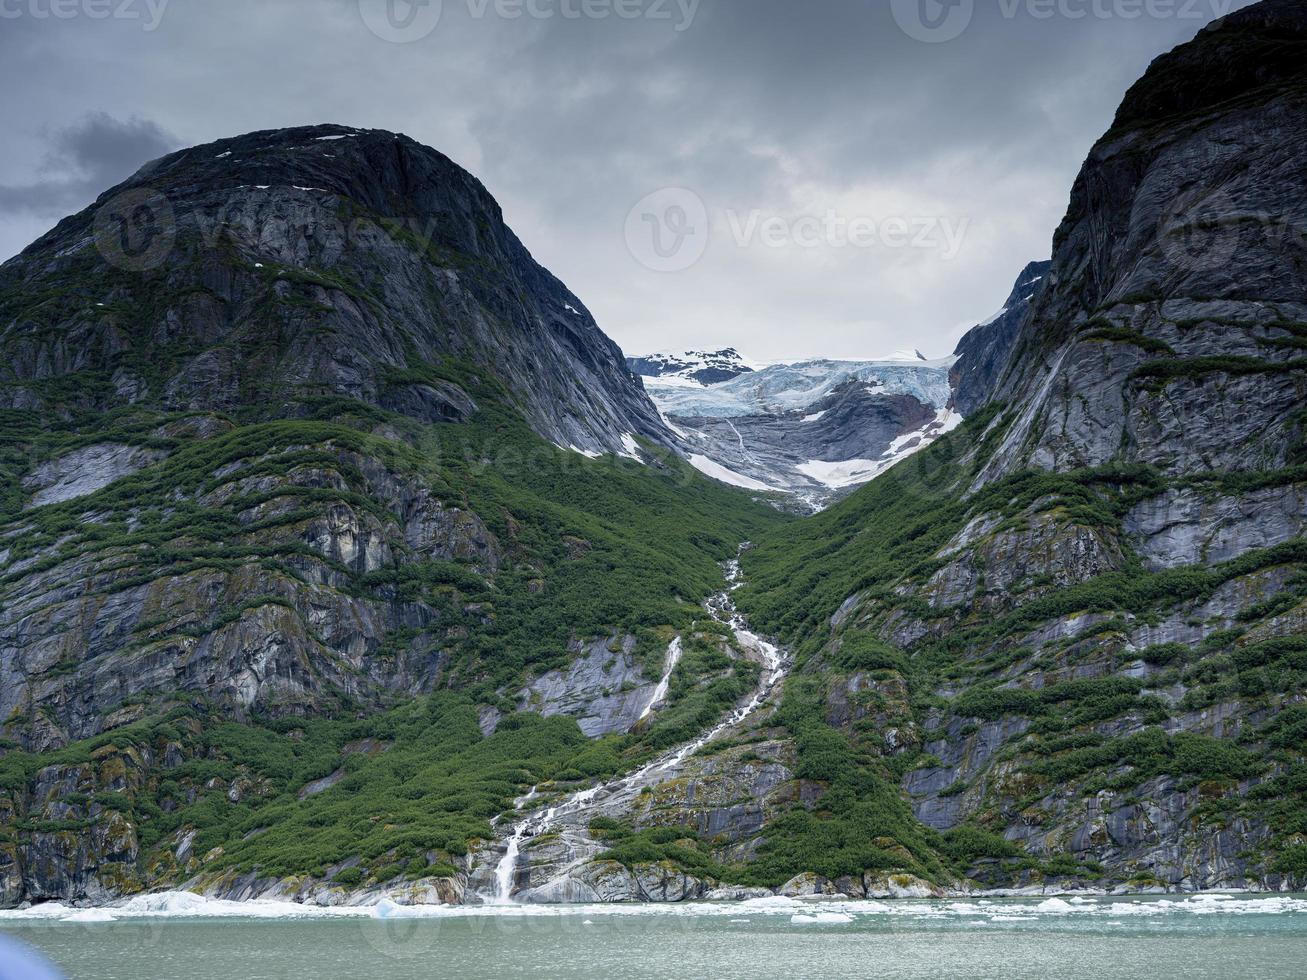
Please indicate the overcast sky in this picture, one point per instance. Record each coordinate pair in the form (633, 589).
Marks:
(869, 181)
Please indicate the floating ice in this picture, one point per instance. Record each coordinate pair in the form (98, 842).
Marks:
(89, 915)
(821, 919)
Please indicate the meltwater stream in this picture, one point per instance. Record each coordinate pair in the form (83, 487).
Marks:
(722, 608)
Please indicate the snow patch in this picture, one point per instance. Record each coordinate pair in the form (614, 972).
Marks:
(838, 474)
(720, 473)
(842, 473)
(630, 448)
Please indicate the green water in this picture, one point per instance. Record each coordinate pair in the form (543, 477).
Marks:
(1008, 938)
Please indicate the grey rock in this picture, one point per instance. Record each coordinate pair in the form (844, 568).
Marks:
(1187, 527)
(603, 688)
(85, 470)
(983, 354)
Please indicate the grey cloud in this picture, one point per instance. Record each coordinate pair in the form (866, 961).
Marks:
(83, 159)
(779, 106)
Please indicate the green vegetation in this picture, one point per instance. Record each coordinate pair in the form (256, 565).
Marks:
(578, 549)
(1174, 368)
(1124, 335)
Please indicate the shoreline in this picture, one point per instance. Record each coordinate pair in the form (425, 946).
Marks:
(182, 903)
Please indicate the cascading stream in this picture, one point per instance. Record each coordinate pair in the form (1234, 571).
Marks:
(722, 608)
(660, 692)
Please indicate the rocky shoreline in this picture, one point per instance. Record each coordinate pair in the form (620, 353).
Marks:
(452, 892)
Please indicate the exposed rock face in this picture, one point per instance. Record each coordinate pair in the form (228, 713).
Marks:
(603, 688)
(1004, 564)
(84, 471)
(397, 254)
(1187, 527)
(1169, 332)
(982, 355)
(83, 637)
(1106, 630)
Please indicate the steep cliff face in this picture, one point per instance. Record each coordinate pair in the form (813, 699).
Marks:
(1092, 594)
(1170, 333)
(983, 354)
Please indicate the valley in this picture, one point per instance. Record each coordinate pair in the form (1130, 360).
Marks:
(363, 570)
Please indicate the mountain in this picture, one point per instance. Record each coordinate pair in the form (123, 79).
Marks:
(378, 253)
(1072, 634)
(983, 352)
(309, 469)
(704, 367)
(303, 595)
(816, 429)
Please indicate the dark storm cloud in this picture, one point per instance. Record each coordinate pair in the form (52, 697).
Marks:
(767, 110)
(83, 159)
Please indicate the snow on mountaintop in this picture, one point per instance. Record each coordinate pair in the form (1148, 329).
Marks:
(780, 388)
(695, 366)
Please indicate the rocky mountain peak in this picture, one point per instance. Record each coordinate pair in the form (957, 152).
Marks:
(700, 366)
(350, 260)
(1261, 45)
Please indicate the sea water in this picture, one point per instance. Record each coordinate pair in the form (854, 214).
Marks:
(179, 936)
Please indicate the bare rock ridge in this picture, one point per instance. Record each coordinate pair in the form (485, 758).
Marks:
(1183, 244)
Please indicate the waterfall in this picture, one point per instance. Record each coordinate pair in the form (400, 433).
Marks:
(623, 789)
(508, 864)
(660, 692)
